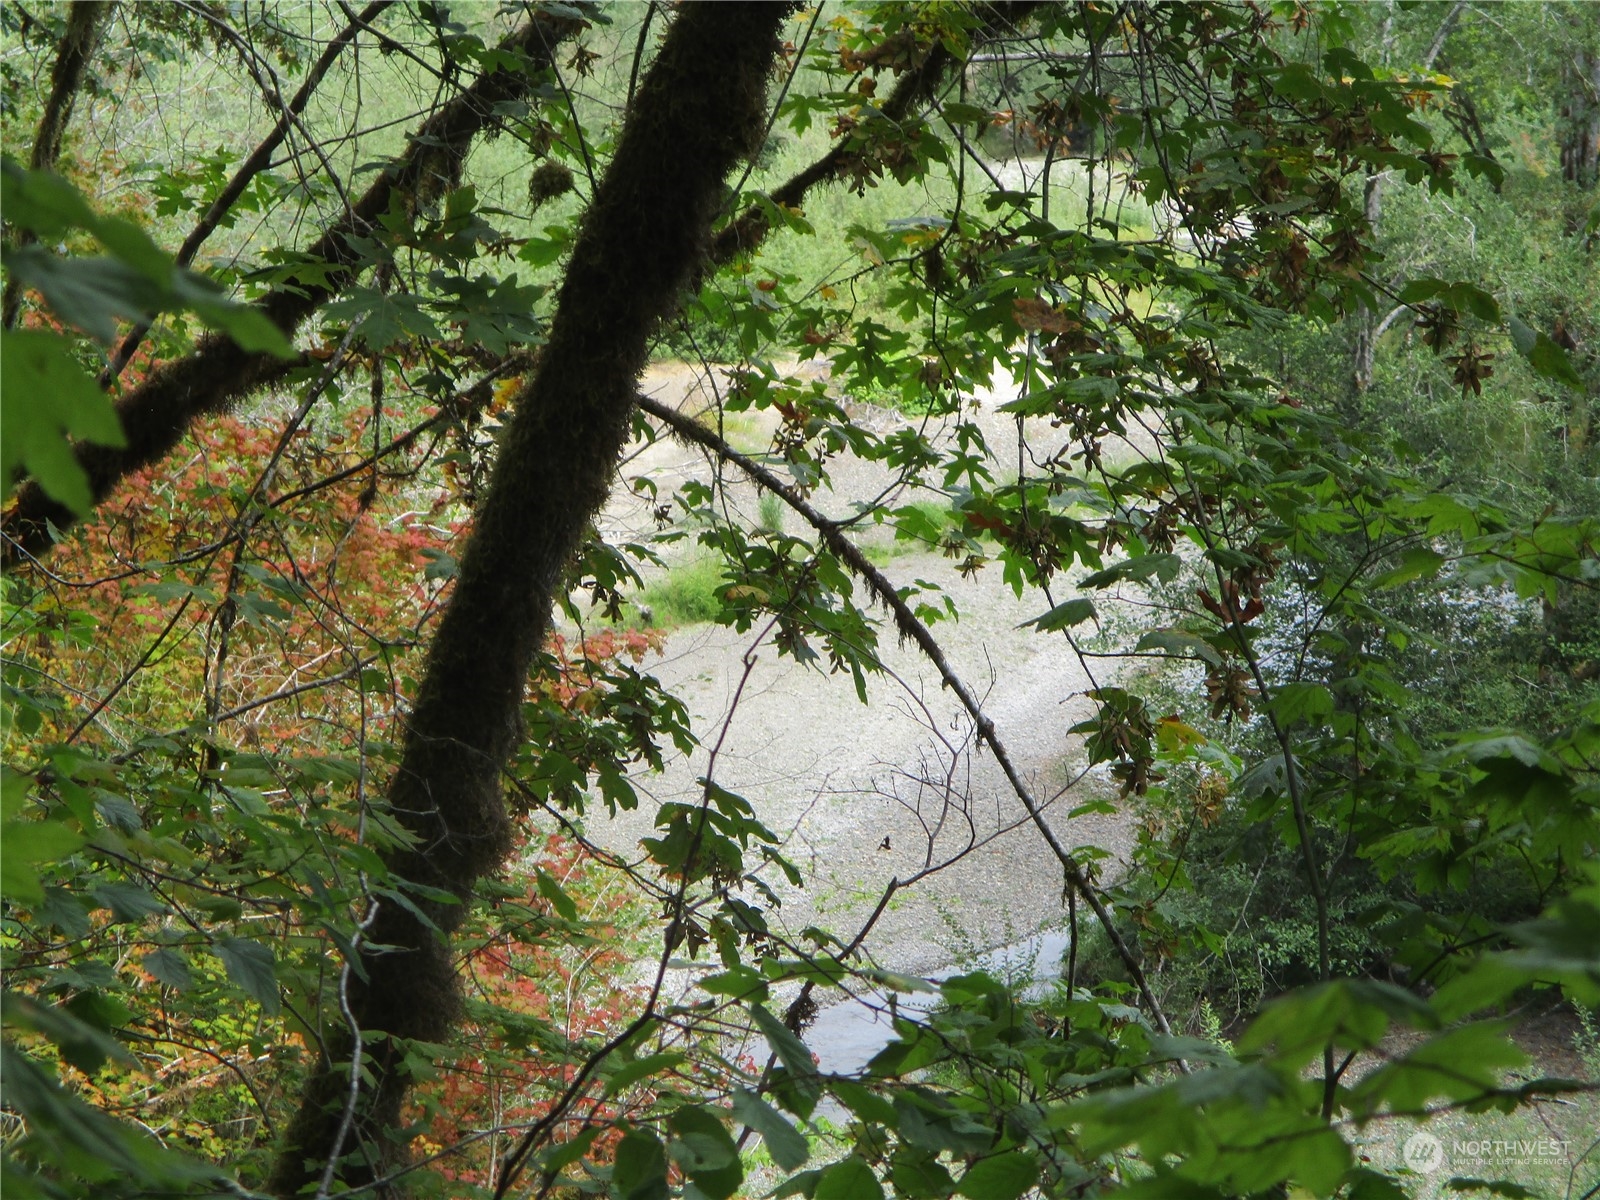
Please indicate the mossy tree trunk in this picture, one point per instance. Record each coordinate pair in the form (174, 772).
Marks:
(698, 113)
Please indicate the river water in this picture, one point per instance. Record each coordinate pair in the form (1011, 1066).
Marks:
(846, 1036)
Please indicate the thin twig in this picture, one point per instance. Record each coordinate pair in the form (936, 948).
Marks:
(353, 1096)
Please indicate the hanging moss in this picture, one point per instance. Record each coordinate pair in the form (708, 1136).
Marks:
(699, 112)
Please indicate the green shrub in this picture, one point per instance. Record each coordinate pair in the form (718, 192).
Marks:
(770, 513)
(685, 595)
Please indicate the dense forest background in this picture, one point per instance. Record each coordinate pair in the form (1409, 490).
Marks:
(1248, 354)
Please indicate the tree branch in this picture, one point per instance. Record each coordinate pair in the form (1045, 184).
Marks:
(218, 373)
(252, 166)
(911, 627)
(85, 21)
(747, 231)
(1445, 26)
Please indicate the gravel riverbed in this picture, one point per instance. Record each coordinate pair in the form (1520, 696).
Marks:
(866, 794)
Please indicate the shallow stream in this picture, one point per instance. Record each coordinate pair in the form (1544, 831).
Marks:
(846, 1036)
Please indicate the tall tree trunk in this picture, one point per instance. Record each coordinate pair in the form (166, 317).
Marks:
(699, 111)
(1580, 118)
(1366, 321)
(1372, 208)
